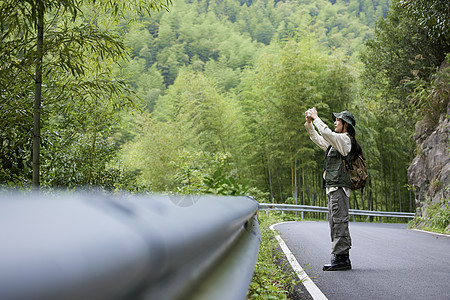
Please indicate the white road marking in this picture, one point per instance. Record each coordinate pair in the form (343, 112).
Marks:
(313, 290)
(441, 234)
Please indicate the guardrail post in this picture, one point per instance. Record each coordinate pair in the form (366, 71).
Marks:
(302, 215)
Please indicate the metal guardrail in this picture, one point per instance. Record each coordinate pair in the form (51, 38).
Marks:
(90, 246)
(308, 208)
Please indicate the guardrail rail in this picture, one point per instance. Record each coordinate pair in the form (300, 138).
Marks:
(321, 209)
(94, 246)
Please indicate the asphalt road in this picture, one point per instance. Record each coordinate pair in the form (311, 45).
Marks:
(388, 261)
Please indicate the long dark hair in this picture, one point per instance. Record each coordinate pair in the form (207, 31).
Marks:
(356, 148)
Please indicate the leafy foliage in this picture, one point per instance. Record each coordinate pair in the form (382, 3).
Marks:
(431, 97)
(219, 184)
(15, 136)
(231, 33)
(270, 281)
(437, 218)
(436, 20)
(402, 52)
(77, 68)
(203, 172)
(281, 88)
(400, 63)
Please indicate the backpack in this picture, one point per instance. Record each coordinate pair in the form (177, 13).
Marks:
(357, 171)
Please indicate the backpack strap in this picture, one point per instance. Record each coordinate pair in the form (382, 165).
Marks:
(327, 151)
(347, 160)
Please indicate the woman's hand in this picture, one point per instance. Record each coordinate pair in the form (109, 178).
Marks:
(314, 114)
(311, 113)
(308, 116)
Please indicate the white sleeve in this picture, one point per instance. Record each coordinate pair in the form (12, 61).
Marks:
(315, 137)
(340, 141)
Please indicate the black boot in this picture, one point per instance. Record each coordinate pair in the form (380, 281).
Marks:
(339, 262)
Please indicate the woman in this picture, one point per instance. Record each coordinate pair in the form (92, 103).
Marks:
(339, 145)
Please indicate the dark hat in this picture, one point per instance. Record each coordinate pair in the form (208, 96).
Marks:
(346, 116)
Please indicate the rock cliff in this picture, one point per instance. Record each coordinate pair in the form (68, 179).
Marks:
(429, 172)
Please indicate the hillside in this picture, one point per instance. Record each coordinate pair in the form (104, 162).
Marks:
(226, 83)
(221, 38)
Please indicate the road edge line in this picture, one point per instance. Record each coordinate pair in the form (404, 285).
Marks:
(431, 232)
(312, 288)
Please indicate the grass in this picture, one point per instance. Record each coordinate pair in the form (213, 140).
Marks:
(270, 280)
(437, 218)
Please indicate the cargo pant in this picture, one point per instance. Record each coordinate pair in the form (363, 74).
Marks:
(338, 205)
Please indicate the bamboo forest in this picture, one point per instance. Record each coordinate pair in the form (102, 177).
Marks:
(209, 96)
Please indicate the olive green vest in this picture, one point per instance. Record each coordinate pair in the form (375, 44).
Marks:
(336, 173)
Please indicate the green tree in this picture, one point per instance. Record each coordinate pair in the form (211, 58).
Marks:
(199, 123)
(152, 153)
(16, 121)
(63, 42)
(402, 51)
(283, 86)
(205, 117)
(433, 16)
(408, 47)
